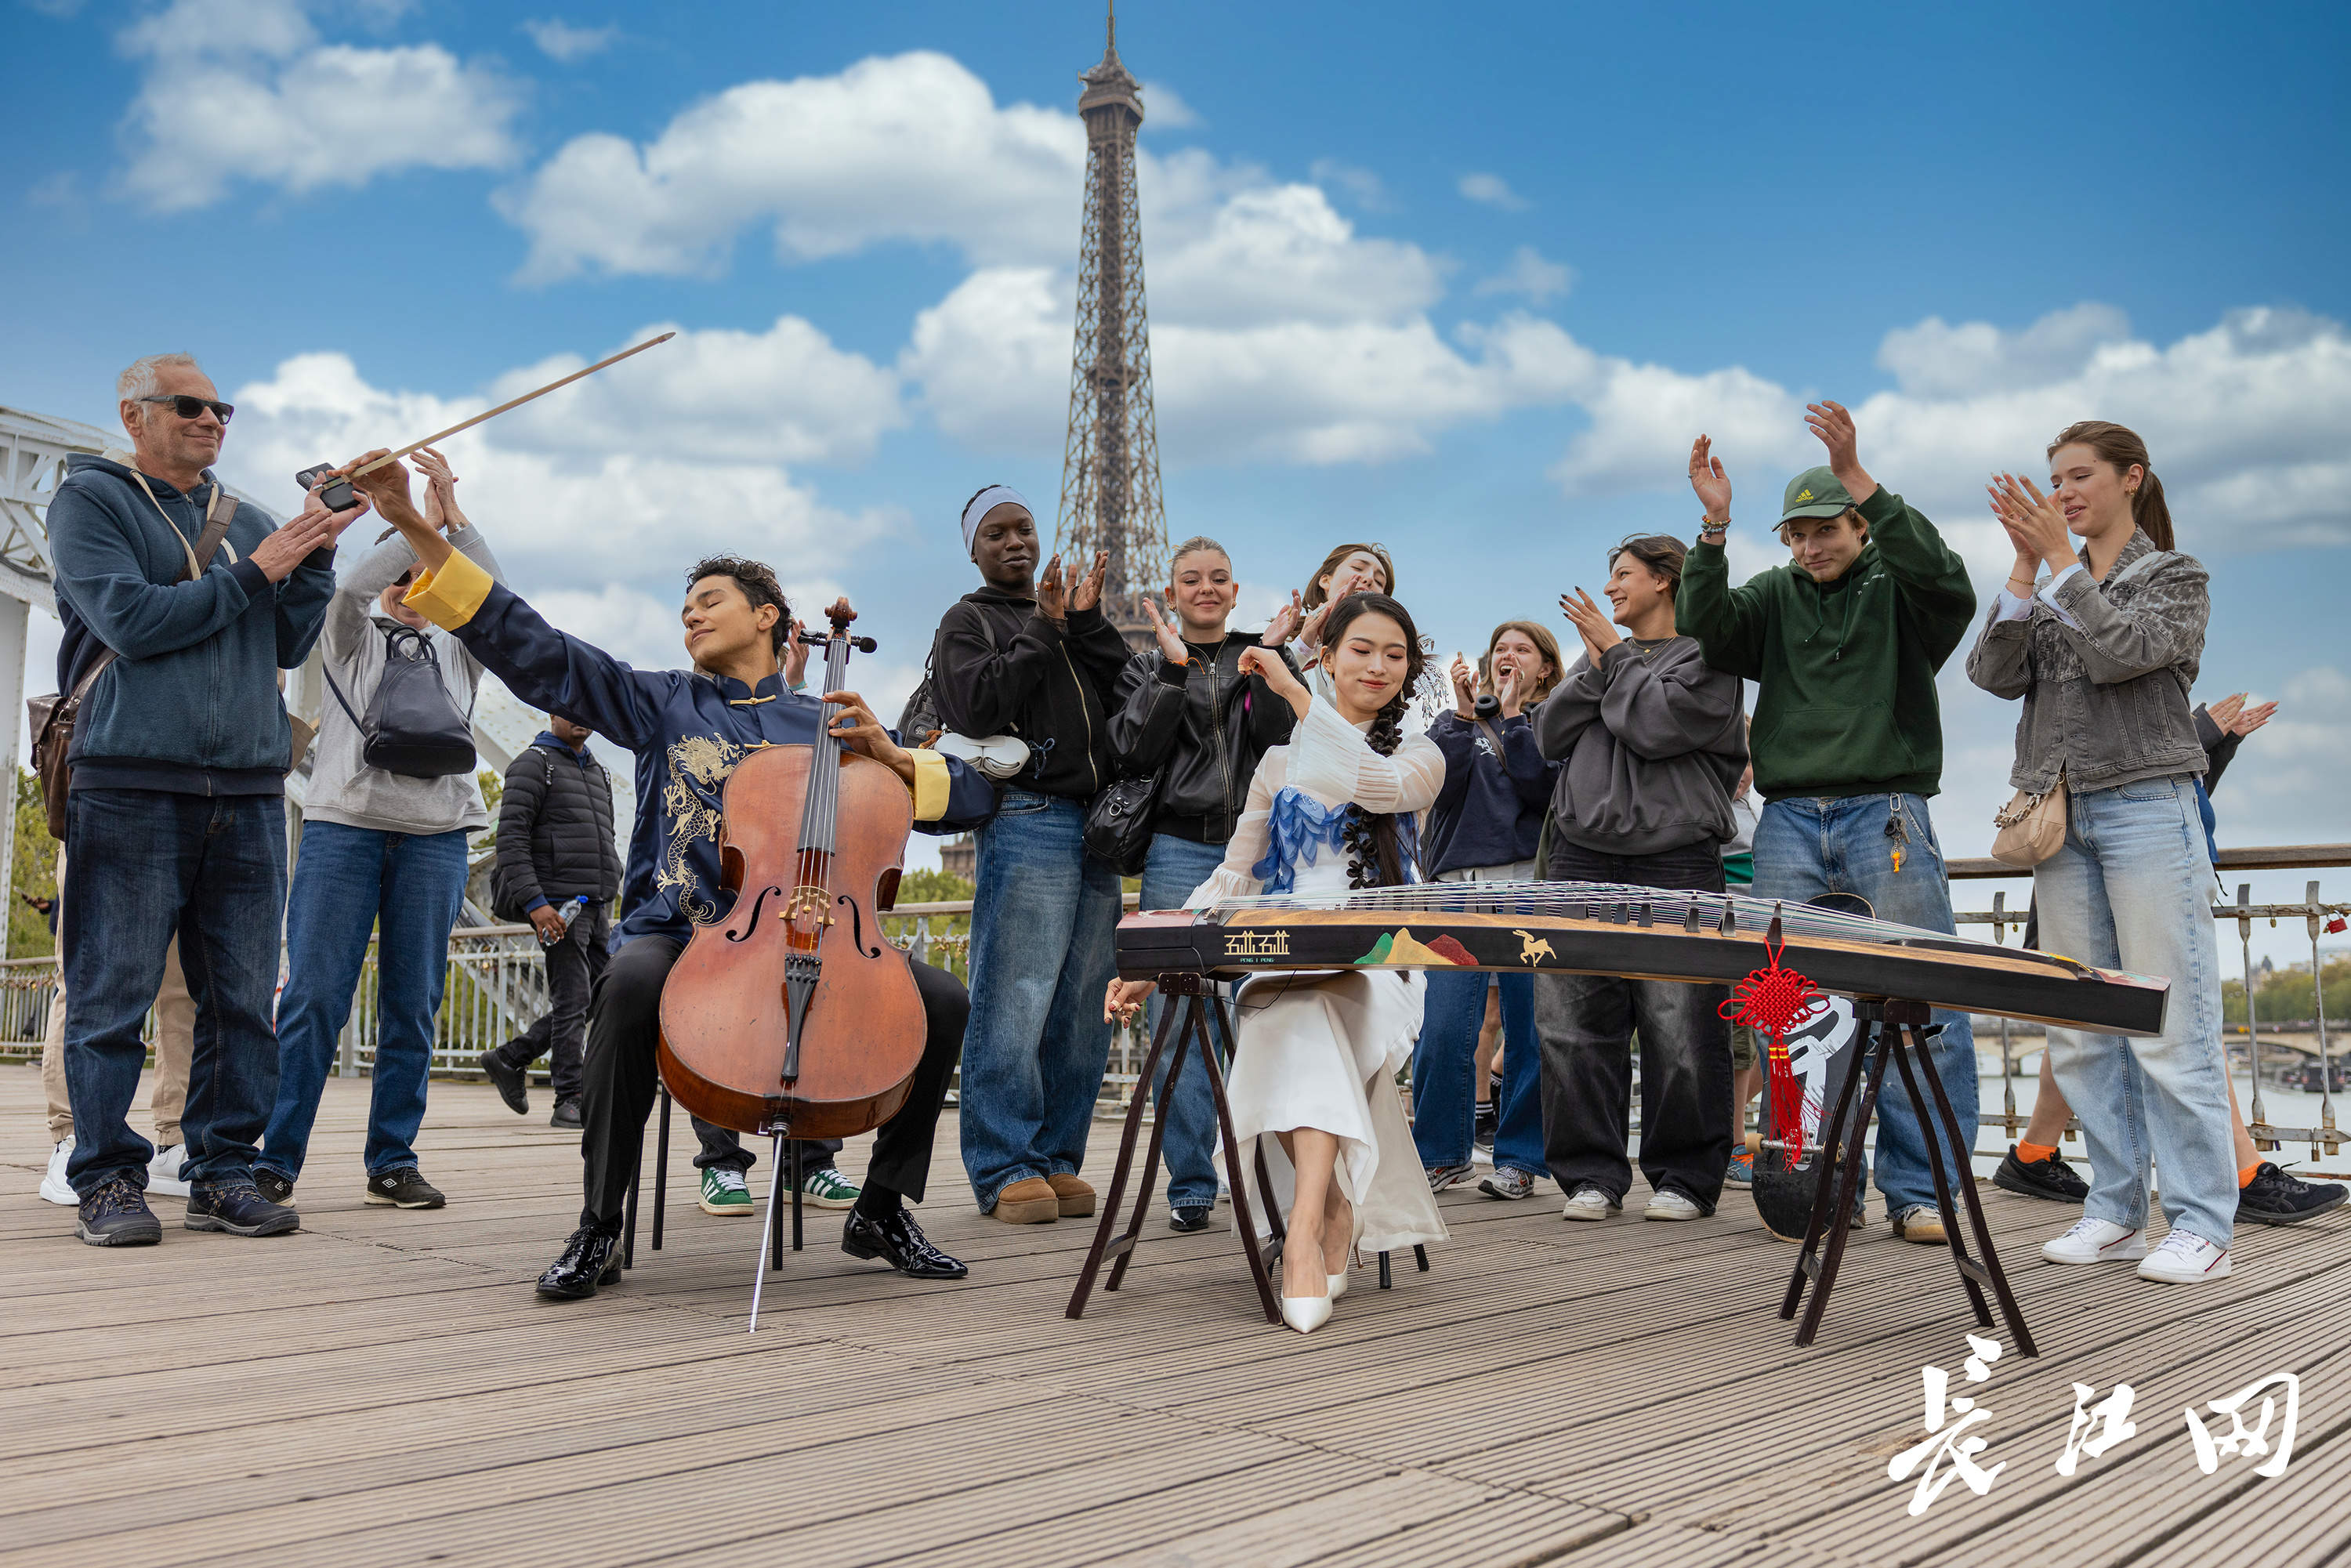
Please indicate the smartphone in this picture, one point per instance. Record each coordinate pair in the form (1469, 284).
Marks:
(337, 495)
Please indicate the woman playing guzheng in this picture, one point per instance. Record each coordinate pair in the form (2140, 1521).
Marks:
(1317, 1054)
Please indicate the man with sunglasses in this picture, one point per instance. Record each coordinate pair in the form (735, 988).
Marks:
(180, 606)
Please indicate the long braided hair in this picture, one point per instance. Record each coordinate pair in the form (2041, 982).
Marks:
(1374, 842)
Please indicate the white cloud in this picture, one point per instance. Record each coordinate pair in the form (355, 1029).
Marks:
(1493, 191)
(1935, 360)
(245, 89)
(1280, 253)
(566, 44)
(560, 517)
(2245, 422)
(1365, 188)
(2294, 767)
(1162, 107)
(911, 148)
(1531, 275)
(785, 395)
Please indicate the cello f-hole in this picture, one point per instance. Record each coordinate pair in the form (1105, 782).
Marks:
(857, 926)
(753, 924)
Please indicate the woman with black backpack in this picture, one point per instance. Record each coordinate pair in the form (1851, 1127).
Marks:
(1191, 719)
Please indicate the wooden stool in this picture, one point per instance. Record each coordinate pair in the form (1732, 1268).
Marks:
(1899, 1035)
(1199, 996)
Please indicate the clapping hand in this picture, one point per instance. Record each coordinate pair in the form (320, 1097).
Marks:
(1269, 666)
(1285, 623)
(1049, 602)
(2033, 522)
(315, 528)
(1506, 690)
(1171, 646)
(1088, 589)
(1464, 689)
(1834, 426)
(2231, 716)
(1707, 479)
(441, 509)
(1591, 622)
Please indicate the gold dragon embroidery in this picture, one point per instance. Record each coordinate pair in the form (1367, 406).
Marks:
(699, 766)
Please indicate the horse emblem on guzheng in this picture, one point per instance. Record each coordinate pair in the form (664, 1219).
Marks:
(1532, 949)
(1399, 949)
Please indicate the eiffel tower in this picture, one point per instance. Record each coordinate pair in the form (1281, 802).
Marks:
(1110, 468)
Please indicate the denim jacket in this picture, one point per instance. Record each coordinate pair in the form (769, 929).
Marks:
(2104, 669)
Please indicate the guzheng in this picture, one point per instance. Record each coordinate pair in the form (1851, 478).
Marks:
(1602, 929)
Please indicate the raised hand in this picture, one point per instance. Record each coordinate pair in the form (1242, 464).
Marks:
(2034, 521)
(1089, 591)
(1310, 630)
(1464, 689)
(1049, 602)
(1834, 426)
(1285, 623)
(1506, 692)
(795, 655)
(441, 508)
(315, 528)
(1170, 646)
(1707, 479)
(2253, 718)
(1591, 623)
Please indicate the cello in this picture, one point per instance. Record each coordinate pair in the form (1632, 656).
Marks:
(789, 1018)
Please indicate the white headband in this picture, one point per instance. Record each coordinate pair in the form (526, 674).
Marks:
(987, 501)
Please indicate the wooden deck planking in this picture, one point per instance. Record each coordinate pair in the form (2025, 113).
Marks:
(383, 1388)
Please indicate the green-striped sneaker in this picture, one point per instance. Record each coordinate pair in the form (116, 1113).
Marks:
(827, 1188)
(724, 1192)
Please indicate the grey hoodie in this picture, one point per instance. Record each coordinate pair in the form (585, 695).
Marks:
(343, 788)
(1653, 747)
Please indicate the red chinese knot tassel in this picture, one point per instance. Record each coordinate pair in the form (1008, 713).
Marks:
(1768, 1000)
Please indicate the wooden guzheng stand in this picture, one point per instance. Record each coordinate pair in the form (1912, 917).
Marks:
(1895, 973)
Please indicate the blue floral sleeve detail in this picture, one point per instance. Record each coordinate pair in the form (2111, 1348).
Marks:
(1300, 827)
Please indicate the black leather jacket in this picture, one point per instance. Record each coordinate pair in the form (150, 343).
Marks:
(1202, 726)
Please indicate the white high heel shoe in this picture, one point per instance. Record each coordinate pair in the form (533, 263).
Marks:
(1306, 1313)
(1338, 1285)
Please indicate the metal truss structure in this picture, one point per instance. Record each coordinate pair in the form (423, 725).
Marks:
(1110, 466)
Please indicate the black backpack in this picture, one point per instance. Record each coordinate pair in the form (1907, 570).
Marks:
(412, 726)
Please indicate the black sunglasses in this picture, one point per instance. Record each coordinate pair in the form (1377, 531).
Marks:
(188, 407)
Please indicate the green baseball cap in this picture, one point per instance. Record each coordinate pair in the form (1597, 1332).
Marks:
(1815, 493)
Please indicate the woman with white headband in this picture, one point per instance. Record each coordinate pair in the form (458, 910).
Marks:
(1031, 655)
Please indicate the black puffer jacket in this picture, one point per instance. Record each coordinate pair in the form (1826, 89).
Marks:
(997, 667)
(555, 830)
(1203, 725)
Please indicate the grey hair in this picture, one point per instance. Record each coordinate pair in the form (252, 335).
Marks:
(138, 380)
(1196, 543)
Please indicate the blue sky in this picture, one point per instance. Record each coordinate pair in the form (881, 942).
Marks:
(1462, 279)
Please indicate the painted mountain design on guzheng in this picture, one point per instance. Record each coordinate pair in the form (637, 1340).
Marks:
(1402, 949)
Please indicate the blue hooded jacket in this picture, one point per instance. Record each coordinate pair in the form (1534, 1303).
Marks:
(190, 704)
(689, 731)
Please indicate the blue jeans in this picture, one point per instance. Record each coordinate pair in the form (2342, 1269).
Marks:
(1445, 1072)
(1176, 867)
(141, 865)
(2127, 891)
(1806, 848)
(346, 881)
(1044, 922)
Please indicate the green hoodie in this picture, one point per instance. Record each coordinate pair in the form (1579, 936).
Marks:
(1845, 670)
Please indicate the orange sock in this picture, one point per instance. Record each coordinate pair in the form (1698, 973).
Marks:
(2034, 1153)
(2245, 1177)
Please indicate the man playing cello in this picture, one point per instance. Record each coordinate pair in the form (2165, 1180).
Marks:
(689, 729)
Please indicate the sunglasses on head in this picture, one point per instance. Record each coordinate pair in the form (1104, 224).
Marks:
(188, 407)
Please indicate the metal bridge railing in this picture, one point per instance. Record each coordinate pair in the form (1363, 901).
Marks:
(496, 987)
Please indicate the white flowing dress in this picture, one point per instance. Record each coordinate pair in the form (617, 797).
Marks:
(1317, 1050)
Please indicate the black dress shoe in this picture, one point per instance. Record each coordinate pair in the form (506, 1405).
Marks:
(510, 1083)
(899, 1242)
(591, 1257)
(1189, 1217)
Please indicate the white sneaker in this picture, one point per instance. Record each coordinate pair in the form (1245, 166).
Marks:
(2096, 1241)
(163, 1176)
(2184, 1260)
(54, 1186)
(1591, 1202)
(1667, 1204)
